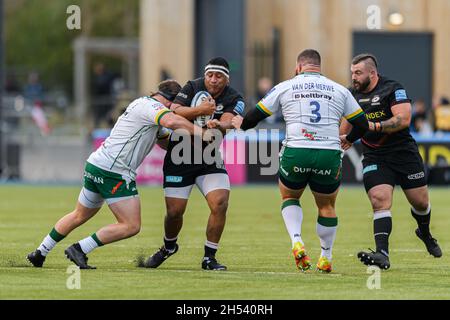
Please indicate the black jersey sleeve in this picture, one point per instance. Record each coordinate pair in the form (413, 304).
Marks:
(398, 95)
(186, 94)
(360, 127)
(252, 118)
(234, 103)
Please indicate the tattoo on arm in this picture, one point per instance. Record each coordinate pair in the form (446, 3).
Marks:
(394, 124)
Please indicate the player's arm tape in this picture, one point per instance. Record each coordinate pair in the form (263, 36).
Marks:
(360, 127)
(160, 114)
(252, 118)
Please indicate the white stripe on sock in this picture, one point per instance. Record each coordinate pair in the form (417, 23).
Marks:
(422, 213)
(381, 214)
(211, 245)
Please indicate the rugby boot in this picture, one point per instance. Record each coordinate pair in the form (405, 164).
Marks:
(374, 259)
(324, 265)
(77, 256)
(210, 263)
(36, 258)
(431, 244)
(159, 257)
(302, 261)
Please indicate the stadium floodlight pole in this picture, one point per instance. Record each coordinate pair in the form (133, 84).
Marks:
(2, 76)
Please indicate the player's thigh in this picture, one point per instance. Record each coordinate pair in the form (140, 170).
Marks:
(211, 180)
(376, 173)
(295, 169)
(127, 211)
(326, 172)
(412, 179)
(214, 184)
(178, 182)
(288, 193)
(88, 204)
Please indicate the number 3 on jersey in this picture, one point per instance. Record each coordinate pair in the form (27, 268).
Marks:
(315, 108)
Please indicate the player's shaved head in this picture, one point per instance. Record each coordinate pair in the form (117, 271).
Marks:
(368, 59)
(364, 72)
(309, 57)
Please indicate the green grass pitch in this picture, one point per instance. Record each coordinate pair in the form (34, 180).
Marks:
(254, 246)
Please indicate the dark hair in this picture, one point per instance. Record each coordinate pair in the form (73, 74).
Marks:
(169, 89)
(219, 61)
(309, 56)
(364, 57)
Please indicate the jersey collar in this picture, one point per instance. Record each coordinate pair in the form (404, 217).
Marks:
(310, 72)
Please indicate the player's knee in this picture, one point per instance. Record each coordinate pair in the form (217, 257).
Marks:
(220, 205)
(327, 210)
(174, 212)
(133, 229)
(80, 216)
(421, 204)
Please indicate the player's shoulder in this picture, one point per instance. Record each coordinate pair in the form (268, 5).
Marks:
(147, 101)
(196, 84)
(390, 84)
(232, 93)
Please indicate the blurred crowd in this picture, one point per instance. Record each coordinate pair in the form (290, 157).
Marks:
(108, 97)
(429, 120)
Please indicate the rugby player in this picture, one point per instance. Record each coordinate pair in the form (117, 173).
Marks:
(391, 157)
(312, 106)
(211, 179)
(110, 174)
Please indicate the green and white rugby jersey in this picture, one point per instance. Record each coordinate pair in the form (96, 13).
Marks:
(132, 138)
(312, 106)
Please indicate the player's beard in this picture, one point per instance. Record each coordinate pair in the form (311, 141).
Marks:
(361, 86)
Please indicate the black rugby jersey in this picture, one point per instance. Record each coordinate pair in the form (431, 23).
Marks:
(377, 107)
(230, 100)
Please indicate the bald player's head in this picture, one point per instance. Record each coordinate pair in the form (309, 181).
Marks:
(309, 57)
(364, 72)
(308, 60)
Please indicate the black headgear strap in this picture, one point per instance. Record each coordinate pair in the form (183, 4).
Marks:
(167, 95)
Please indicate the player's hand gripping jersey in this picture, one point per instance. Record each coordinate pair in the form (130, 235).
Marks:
(312, 106)
(132, 138)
